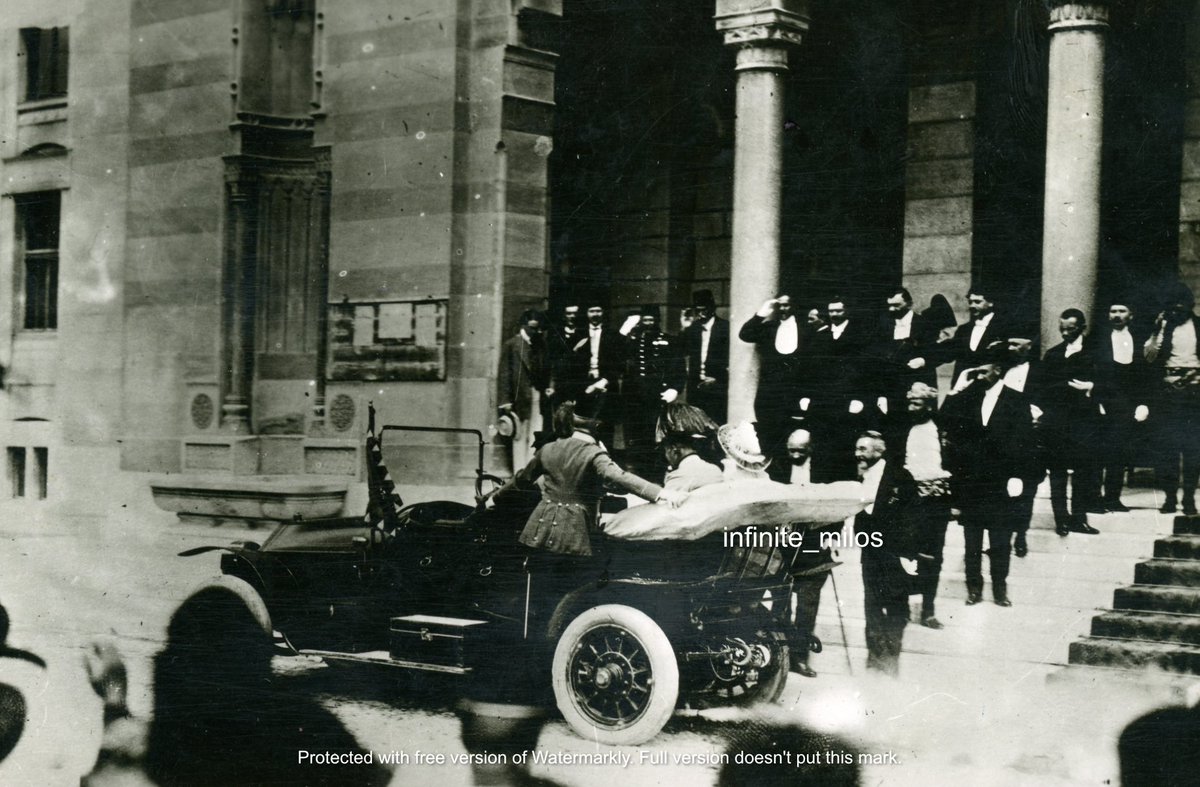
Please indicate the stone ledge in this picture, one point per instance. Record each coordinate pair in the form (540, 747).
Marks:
(249, 499)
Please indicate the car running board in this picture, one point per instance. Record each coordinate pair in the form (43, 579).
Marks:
(383, 659)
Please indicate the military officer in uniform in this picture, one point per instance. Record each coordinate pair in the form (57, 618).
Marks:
(654, 377)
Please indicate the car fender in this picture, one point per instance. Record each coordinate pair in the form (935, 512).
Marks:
(647, 596)
(247, 593)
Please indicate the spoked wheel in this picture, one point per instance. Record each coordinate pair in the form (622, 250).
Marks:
(615, 675)
(756, 672)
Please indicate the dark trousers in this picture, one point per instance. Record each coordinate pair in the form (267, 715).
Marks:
(808, 601)
(1178, 416)
(1022, 509)
(996, 518)
(641, 422)
(885, 603)
(1062, 457)
(713, 400)
(930, 516)
(1115, 452)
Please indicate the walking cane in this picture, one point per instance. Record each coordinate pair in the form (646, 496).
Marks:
(842, 624)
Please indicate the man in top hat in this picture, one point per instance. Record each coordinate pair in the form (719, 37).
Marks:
(1123, 391)
(706, 342)
(654, 377)
(777, 334)
(1070, 424)
(990, 455)
(524, 384)
(1172, 351)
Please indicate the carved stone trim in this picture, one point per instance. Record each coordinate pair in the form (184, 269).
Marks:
(1091, 14)
(771, 25)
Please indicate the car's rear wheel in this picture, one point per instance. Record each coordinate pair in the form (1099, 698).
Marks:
(757, 683)
(615, 677)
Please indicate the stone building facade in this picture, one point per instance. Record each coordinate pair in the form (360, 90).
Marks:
(267, 213)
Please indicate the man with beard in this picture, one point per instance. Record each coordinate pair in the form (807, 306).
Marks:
(843, 395)
(1172, 351)
(890, 492)
(989, 453)
(706, 342)
(1123, 392)
(1069, 424)
(779, 338)
(918, 440)
(596, 361)
(905, 338)
(524, 385)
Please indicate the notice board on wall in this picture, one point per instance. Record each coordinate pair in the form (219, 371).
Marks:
(394, 341)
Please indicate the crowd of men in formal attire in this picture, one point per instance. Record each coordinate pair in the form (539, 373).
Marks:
(843, 397)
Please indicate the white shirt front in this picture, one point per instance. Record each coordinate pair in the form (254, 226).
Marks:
(1122, 346)
(989, 401)
(923, 452)
(1183, 346)
(1074, 347)
(594, 347)
(902, 328)
(802, 474)
(977, 330)
(705, 338)
(787, 337)
(870, 484)
(1017, 377)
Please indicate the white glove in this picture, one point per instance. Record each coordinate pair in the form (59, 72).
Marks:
(804, 403)
(856, 407)
(916, 363)
(670, 395)
(630, 323)
(881, 403)
(1141, 413)
(672, 497)
(1036, 412)
(1015, 487)
(1082, 385)
(1102, 410)
(767, 309)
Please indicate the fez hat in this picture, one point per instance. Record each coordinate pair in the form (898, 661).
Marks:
(920, 391)
(650, 310)
(740, 443)
(704, 298)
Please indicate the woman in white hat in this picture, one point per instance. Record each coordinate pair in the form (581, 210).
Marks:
(744, 459)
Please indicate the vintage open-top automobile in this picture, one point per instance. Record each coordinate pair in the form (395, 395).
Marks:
(676, 617)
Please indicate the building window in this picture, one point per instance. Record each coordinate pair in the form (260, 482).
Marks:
(37, 232)
(45, 52)
(23, 484)
(16, 471)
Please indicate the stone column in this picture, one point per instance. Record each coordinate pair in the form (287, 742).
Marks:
(238, 287)
(762, 31)
(1074, 128)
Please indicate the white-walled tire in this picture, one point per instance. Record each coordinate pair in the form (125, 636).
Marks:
(615, 677)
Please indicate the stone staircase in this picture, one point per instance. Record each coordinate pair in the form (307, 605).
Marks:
(1154, 623)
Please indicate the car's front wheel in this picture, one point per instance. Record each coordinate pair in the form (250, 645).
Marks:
(616, 679)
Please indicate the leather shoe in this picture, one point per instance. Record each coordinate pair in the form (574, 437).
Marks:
(1189, 508)
(1167, 507)
(802, 668)
(1062, 528)
(1116, 507)
(974, 598)
(1020, 545)
(1002, 601)
(930, 622)
(1081, 526)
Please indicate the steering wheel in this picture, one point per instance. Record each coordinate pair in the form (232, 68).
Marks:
(481, 497)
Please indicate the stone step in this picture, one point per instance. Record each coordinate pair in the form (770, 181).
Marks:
(1166, 571)
(1187, 525)
(1161, 688)
(1180, 547)
(1151, 626)
(1135, 654)
(1158, 598)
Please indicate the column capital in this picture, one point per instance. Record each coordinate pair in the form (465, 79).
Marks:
(762, 23)
(1078, 15)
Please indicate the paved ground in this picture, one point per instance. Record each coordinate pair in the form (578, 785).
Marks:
(972, 705)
